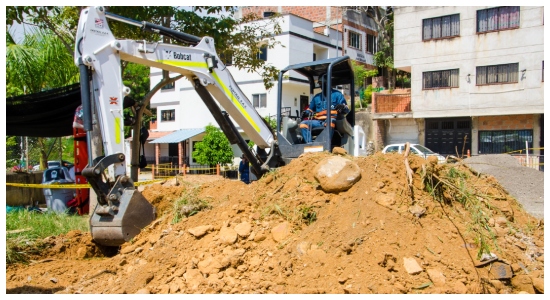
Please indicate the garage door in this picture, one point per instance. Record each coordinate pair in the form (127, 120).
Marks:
(446, 136)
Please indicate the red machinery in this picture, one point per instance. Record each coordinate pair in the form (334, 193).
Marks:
(81, 200)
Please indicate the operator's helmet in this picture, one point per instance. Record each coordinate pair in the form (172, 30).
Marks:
(323, 81)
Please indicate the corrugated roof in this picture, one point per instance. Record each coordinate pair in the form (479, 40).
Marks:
(178, 136)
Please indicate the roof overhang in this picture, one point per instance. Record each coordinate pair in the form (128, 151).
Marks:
(178, 136)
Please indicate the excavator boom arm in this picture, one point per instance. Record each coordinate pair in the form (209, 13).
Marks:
(122, 211)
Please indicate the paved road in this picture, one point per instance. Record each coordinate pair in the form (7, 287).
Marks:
(524, 184)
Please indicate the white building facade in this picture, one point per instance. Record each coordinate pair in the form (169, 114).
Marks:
(179, 107)
(477, 75)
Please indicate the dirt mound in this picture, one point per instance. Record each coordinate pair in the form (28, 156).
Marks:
(283, 234)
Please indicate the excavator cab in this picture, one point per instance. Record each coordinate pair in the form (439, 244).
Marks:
(336, 72)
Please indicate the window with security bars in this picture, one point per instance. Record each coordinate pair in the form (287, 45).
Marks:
(463, 124)
(433, 125)
(168, 115)
(440, 79)
(354, 40)
(441, 27)
(371, 44)
(169, 86)
(259, 100)
(226, 58)
(448, 125)
(262, 55)
(497, 18)
(507, 73)
(504, 141)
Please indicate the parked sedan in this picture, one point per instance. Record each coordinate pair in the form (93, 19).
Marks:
(416, 149)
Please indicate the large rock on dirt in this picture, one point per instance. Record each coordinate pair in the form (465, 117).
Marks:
(193, 278)
(200, 230)
(538, 284)
(243, 229)
(386, 200)
(281, 231)
(523, 283)
(228, 235)
(336, 174)
(436, 276)
(411, 265)
(209, 265)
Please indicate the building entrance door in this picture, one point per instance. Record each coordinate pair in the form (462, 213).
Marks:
(449, 135)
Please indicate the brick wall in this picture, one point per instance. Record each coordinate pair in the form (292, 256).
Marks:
(313, 13)
(511, 122)
(388, 103)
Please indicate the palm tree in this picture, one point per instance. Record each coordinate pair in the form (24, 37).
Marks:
(38, 62)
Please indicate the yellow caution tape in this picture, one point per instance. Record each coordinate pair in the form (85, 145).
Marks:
(147, 182)
(70, 186)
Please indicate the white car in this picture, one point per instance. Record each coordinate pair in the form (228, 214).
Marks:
(416, 149)
(53, 163)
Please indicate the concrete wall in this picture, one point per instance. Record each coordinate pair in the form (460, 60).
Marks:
(524, 45)
(364, 119)
(22, 196)
(401, 131)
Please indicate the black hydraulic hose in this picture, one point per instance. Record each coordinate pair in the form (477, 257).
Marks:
(180, 36)
(150, 27)
(85, 95)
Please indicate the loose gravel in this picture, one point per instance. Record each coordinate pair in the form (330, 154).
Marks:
(523, 183)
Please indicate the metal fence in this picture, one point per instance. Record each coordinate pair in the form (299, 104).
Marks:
(527, 158)
(167, 170)
(531, 161)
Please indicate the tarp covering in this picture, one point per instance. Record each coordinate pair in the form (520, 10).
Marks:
(45, 114)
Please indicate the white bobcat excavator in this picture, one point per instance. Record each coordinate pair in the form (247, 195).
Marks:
(122, 211)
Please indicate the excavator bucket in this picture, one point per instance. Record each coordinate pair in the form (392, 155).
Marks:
(116, 228)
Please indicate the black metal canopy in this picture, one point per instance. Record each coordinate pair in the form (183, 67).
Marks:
(342, 70)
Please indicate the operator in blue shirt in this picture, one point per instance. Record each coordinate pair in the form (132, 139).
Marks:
(315, 116)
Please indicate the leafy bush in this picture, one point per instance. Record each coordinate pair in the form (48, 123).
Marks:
(214, 148)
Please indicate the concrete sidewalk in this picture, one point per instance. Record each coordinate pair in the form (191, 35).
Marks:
(523, 183)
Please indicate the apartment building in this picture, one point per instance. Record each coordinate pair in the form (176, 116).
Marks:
(308, 33)
(477, 79)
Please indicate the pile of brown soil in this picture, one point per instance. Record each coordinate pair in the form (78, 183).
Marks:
(283, 234)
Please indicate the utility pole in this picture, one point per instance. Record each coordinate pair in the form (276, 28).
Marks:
(27, 153)
(60, 152)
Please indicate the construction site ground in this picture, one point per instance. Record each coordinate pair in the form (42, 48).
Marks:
(284, 234)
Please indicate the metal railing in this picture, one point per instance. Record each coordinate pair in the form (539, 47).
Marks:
(167, 170)
(528, 159)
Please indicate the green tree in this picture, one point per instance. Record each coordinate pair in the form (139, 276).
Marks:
(214, 148)
(237, 39)
(13, 151)
(383, 58)
(38, 62)
(271, 122)
(361, 73)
